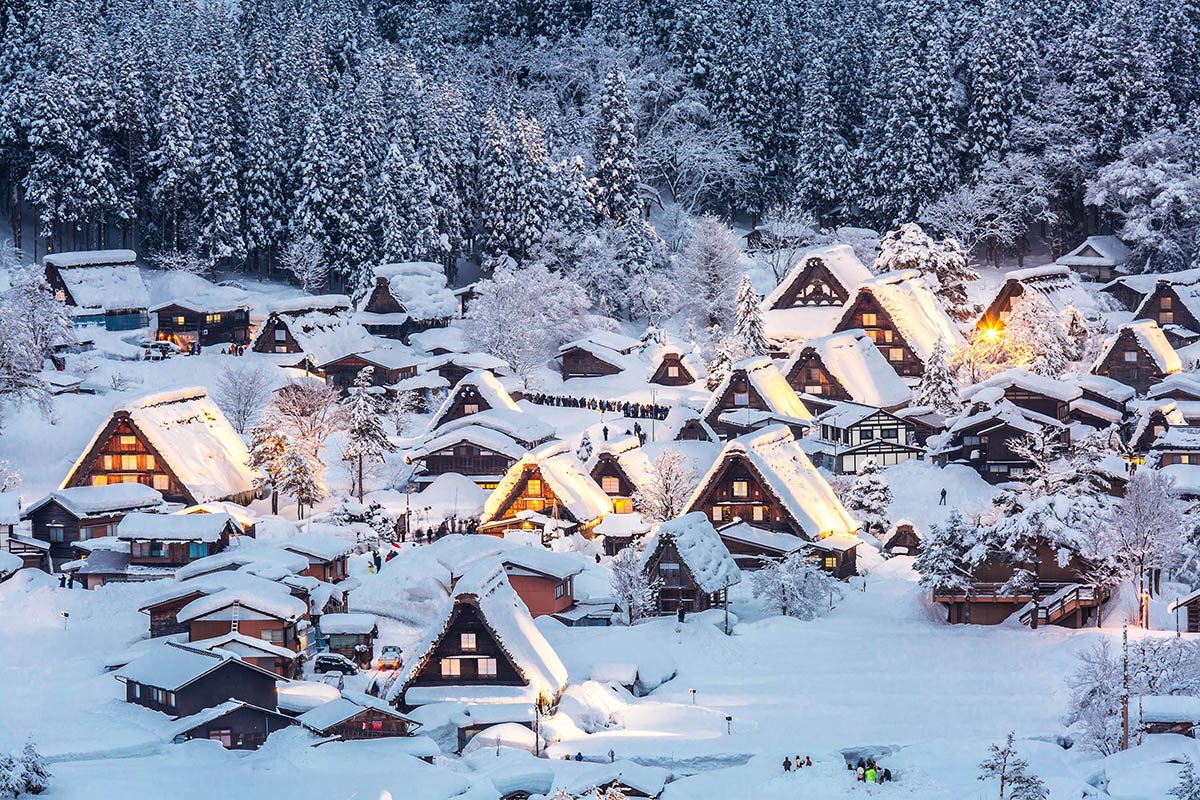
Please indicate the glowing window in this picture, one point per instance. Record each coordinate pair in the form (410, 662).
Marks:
(451, 668)
(716, 513)
(672, 371)
(129, 463)
(467, 642)
(471, 408)
(610, 484)
(180, 322)
(870, 320)
(1131, 355)
(830, 562)
(760, 513)
(741, 488)
(161, 482)
(487, 667)
(534, 488)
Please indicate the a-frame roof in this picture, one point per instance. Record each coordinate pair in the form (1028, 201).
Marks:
(839, 261)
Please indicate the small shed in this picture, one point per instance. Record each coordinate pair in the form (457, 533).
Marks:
(1189, 604)
(351, 635)
(837, 554)
(1097, 258)
(1169, 714)
(695, 567)
(357, 716)
(237, 725)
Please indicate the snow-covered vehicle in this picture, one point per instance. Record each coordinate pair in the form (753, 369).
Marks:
(390, 657)
(334, 662)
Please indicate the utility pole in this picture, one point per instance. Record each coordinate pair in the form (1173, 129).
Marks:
(1125, 686)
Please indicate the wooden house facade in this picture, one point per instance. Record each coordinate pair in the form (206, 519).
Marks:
(351, 635)
(172, 540)
(69, 516)
(549, 482)
(220, 315)
(408, 298)
(983, 440)
(479, 391)
(868, 314)
(673, 368)
(387, 369)
(824, 277)
(851, 434)
(754, 385)
(169, 442)
(357, 717)
(694, 568)
(164, 611)
(1138, 356)
(233, 724)
(181, 681)
(1175, 307)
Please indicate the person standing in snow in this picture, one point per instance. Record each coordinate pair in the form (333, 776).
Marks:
(799, 763)
(807, 761)
(942, 501)
(787, 764)
(872, 775)
(579, 756)
(861, 772)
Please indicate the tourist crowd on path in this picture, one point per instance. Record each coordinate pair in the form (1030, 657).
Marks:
(866, 771)
(622, 407)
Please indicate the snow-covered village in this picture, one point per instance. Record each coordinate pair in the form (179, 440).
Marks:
(599, 399)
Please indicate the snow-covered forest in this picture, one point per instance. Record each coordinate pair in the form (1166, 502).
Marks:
(221, 133)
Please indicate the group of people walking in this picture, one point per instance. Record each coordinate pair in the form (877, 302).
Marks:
(622, 407)
(869, 772)
(787, 762)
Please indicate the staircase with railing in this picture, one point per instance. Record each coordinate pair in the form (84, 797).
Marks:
(1066, 601)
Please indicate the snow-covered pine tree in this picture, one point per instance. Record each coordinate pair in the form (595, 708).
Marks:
(12, 776)
(942, 561)
(820, 148)
(668, 485)
(262, 178)
(584, 451)
(497, 189)
(1012, 772)
(315, 173)
(1034, 337)
(531, 163)
(1000, 71)
(1188, 787)
(571, 206)
(220, 221)
(1078, 332)
(748, 322)
(944, 265)
(726, 352)
(869, 498)
(709, 267)
(35, 777)
(352, 252)
(366, 439)
(617, 180)
(631, 585)
(936, 388)
(300, 476)
(268, 446)
(173, 157)
(795, 587)
(650, 292)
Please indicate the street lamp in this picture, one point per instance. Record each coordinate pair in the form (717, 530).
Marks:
(728, 725)
(693, 693)
(541, 708)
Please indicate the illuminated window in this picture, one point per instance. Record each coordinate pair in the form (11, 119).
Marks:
(487, 667)
(830, 562)
(129, 463)
(1166, 318)
(467, 642)
(741, 488)
(451, 668)
(716, 513)
(672, 371)
(108, 462)
(212, 319)
(813, 388)
(870, 320)
(534, 489)
(99, 480)
(161, 482)
(895, 354)
(127, 442)
(281, 348)
(180, 322)
(760, 513)
(1164, 302)
(610, 484)
(1131, 355)
(471, 408)
(148, 462)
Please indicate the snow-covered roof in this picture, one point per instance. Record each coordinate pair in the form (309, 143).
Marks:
(215, 300)
(786, 471)
(771, 540)
(681, 415)
(278, 604)
(583, 778)
(608, 340)
(691, 360)
(9, 564)
(360, 624)
(1178, 438)
(1169, 708)
(90, 258)
(486, 385)
(321, 547)
(173, 527)
(1185, 383)
(296, 306)
(471, 361)
(335, 712)
(323, 327)
(502, 611)
(1020, 378)
(384, 357)
(839, 259)
(854, 360)
(174, 666)
(622, 525)
(419, 286)
(92, 501)
(566, 476)
(1103, 251)
(484, 437)
(770, 384)
(182, 725)
(541, 560)
(1058, 283)
(245, 646)
(844, 415)
(1151, 340)
(700, 548)
(522, 427)
(116, 288)
(194, 440)
(1105, 386)
(245, 556)
(915, 311)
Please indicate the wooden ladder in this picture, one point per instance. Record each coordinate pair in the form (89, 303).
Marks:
(237, 613)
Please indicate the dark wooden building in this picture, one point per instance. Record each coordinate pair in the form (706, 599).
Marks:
(351, 635)
(845, 367)
(903, 318)
(903, 538)
(83, 513)
(670, 366)
(408, 298)
(1175, 307)
(328, 555)
(478, 391)
(172, 540)
(1054, 282)
(1187, 612)
(755, 384)
(751, 546)
(983, 437)
(550, 482)
(618, 467)
(1138, 356)
(170, 442)
(164, 609)
(694, 568)
(1039, 394)
(765, 479)
(235, 725)
(1062, 598)
(220, 315)
(485, 650)
(481, 453)
(599, 353)
(181, 680)
(358, 716)
(824, 277)
(388, 368)
(851, 434)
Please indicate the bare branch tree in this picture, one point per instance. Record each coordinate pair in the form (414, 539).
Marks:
(242, 392)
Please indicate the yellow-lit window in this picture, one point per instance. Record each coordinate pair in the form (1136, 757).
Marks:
(127, 442)
(487, 667)
(148, 462)
(760, 513)
(672, 371)
(129, 463)
(470, 408)
(99, 480)
(830, 562)
(108, 462)
(451, 668)
(212, 319)
(610, 484)
(895, 354)
(716, 513)
(161, 482)
(741, 488)
(870, 320)
(535, 488)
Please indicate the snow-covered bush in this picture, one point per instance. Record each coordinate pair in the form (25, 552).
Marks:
(632, 587)
(795, 586)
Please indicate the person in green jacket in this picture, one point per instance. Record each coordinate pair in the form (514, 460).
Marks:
(872, 775)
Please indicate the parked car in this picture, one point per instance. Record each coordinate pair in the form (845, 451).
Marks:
(334, 662)
(390, 657)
